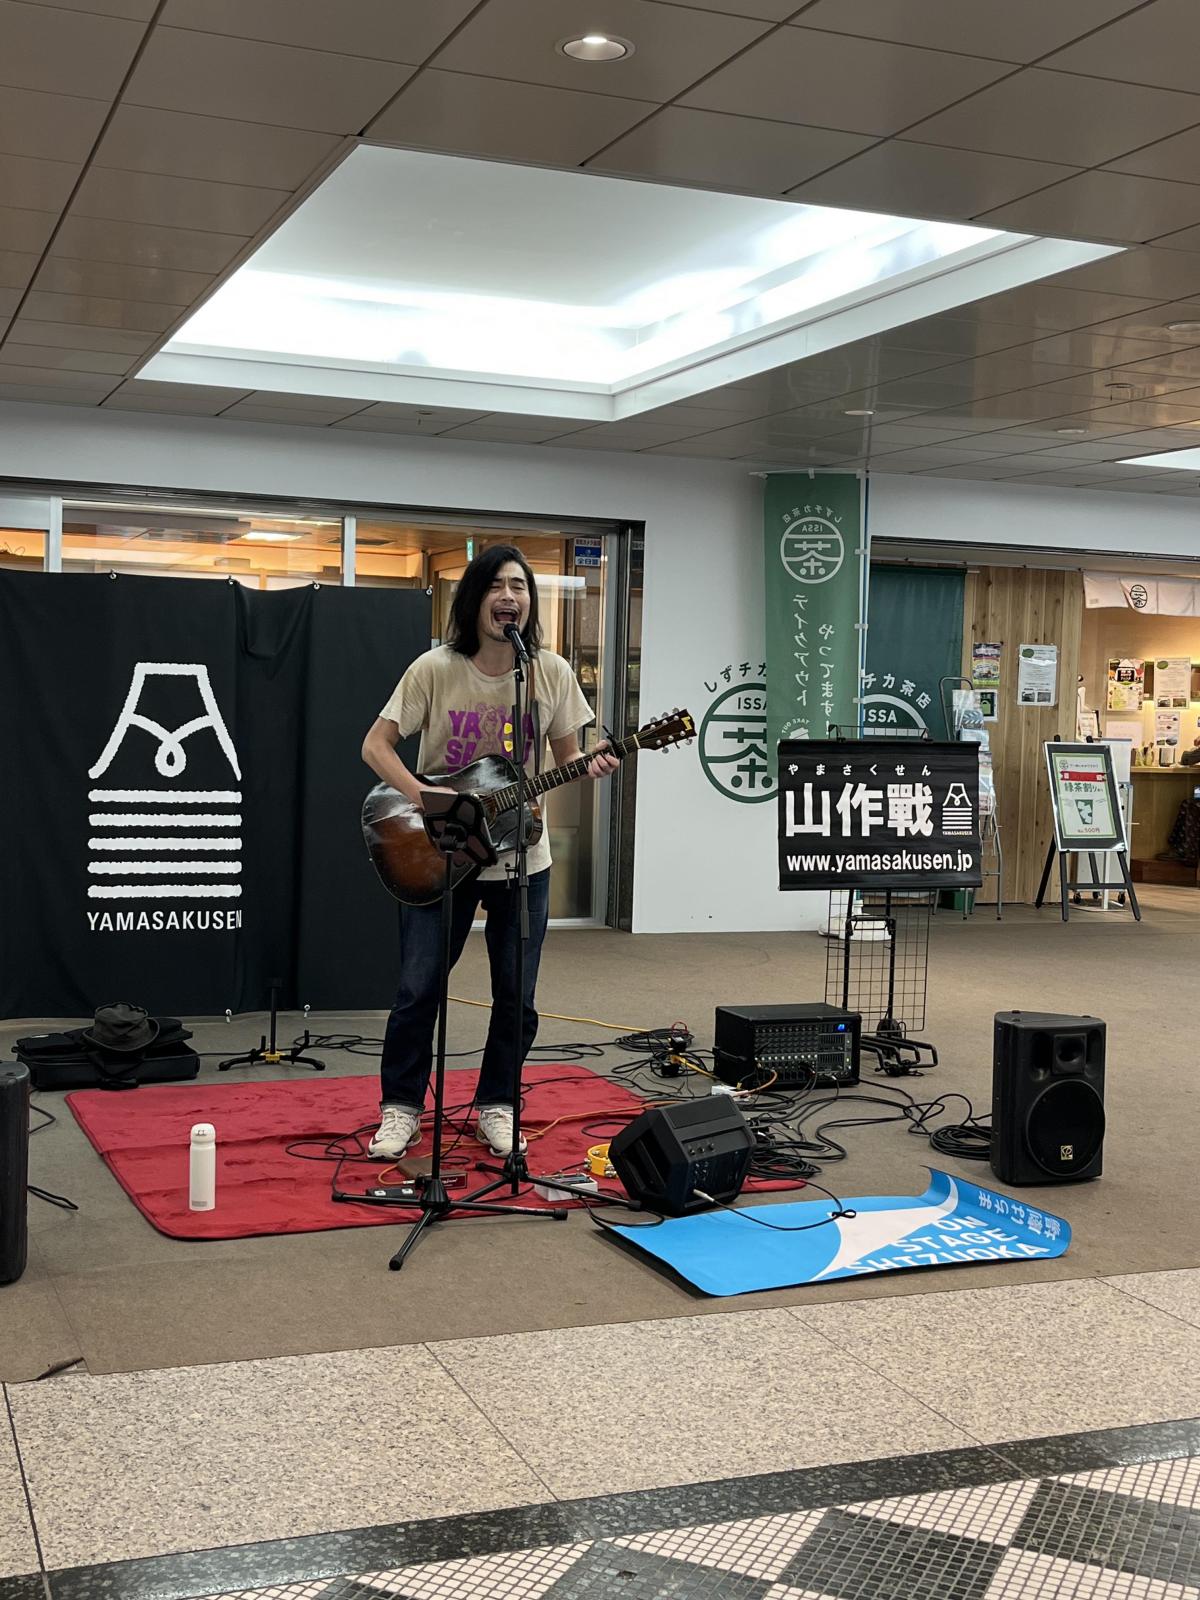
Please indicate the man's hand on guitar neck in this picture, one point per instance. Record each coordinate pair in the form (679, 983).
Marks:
(602, 763)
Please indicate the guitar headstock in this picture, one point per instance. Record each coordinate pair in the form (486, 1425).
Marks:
(673, 727)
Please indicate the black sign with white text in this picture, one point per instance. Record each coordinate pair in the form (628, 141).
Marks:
(181, 790)
(878, 814)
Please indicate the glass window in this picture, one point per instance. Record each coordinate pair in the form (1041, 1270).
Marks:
(262, 549)
(22, 548)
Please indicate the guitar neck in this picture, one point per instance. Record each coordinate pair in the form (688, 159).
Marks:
(506, 799)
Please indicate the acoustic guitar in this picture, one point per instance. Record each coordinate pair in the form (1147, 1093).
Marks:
(394, 829)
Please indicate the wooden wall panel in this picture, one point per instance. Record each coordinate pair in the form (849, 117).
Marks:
(1016, 606)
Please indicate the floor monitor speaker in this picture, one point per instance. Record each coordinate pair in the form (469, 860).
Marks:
(14, 1170)
(669, 1152)
(1047, 1097)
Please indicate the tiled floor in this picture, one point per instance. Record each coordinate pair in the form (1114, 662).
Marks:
(1026, 1441)
(1127, 1533)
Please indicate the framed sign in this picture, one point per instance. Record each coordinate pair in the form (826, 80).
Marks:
(878, 814)
(1083, 793)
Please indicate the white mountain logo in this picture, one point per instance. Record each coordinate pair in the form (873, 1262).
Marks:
(179, 844)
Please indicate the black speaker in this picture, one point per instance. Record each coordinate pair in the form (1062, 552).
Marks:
(1047, 1097)
(14, 1170)
(669, 1152)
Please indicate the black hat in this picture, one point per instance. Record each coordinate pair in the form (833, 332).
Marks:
(122, 1027)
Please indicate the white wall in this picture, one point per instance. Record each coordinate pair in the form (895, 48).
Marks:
(703, 861)
(1121, 522)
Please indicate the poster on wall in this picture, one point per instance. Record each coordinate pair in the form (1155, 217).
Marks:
(863, 813)
(914, 643)
(1037, 675)
(989, 700)
(1083, 794)
(1173, 682)
(1126, 679)
(813, 576)
(1166, 727)
(985, 666)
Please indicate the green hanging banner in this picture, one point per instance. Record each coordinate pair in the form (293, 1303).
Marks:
(914, 641)
(814, 579)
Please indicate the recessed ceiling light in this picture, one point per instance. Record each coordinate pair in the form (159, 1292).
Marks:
(596, 47)
(1120, 388)
(1183, 327)
(1072, 432)
(859, 413)
(268, 536)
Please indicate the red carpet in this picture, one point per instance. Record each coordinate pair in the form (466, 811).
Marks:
(143, 1137)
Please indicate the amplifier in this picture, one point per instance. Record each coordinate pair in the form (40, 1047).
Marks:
(803, 1045)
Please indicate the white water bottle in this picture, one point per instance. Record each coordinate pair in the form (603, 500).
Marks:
(202, 1170)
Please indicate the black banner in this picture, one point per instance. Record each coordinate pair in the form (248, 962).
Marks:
(182, 783)
(878, 814)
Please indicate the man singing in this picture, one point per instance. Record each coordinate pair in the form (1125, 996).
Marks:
(459, 697)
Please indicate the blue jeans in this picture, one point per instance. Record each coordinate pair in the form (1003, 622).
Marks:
(407, 1058)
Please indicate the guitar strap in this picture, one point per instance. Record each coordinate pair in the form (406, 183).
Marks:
(537, 721)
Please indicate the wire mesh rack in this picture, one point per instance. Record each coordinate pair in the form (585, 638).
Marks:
(877, 963)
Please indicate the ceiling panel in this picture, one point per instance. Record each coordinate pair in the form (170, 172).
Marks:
(29, 184)
(492, 431)
(767, 10)
(1156, 44)
(15, 353)
(22, 229)
(61, 275)
(1094, 348)
(798, 75)
(1177, 157)
(16, 268)
(247, 411)
(9, 300)
(1056, 308)
(675, 45)
(1038, 113)
(470, 115)
(140, 245)
(57, 127)
(304, 402)
(139, 10)
(1149, 271)
(1104, 205)
(183, 398)
(956, 335)
(1185, 239)
(141, 139)
(101, 311)
(1149, 413)
(1178, 364)
(378, 29)
(928, 180)
(176, 202)
(75, 54)
(34, 394)
(1018, 30)
(220, 77)
(1151, 325)
(93, 383)
(76, 336)
(722, 151)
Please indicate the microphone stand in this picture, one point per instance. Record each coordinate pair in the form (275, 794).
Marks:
(515, 1170)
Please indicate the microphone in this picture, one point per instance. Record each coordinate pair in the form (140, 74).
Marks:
(513, 634)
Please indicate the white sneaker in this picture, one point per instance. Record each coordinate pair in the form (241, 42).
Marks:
(494, 1128)
(398, 1128)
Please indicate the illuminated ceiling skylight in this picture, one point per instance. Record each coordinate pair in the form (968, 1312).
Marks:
(433, 279)
(1185, 460)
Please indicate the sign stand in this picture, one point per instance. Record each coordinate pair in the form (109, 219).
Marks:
(1087, 821)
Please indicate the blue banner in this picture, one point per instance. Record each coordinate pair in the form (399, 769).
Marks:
(954, 1223)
